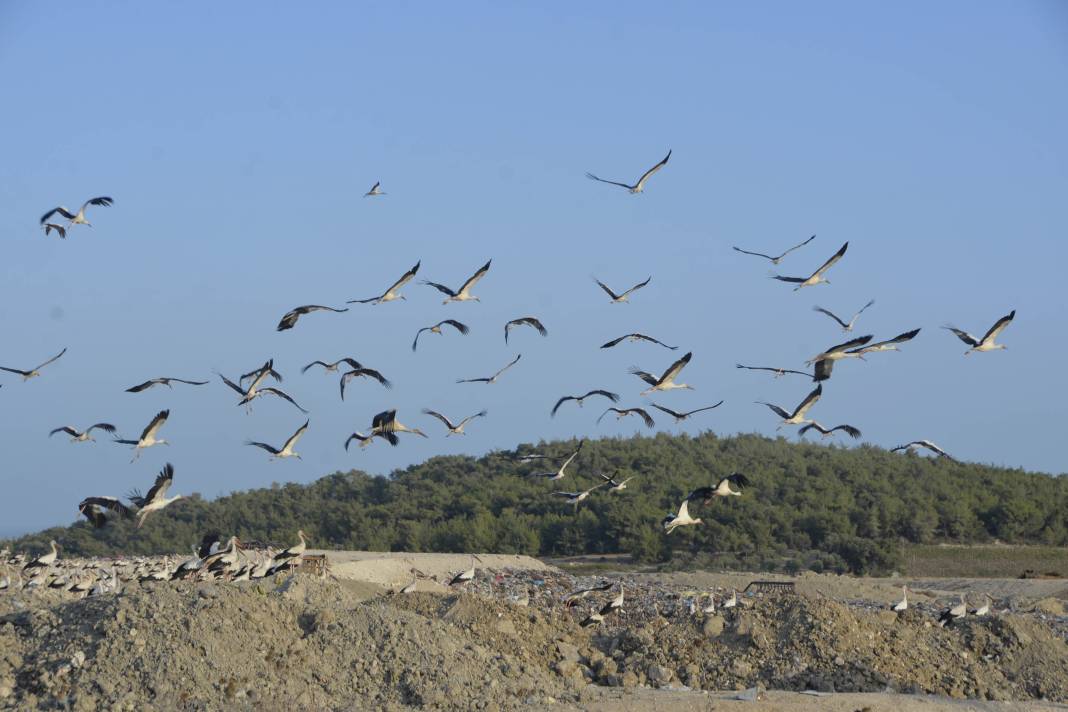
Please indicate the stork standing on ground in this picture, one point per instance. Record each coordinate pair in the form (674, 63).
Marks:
(157, 498)
(954, 613)
(463, 294)
(624, 412)
(666, 382)
(394, 290)
(148, 435)
(436, 329)
(494, 377)
(290, 319)
(640, 185)
(624, 296)
(722, 489)
(164, 381)
(903, 604)
(827, 432)
(33, 372)
(846, 326)
(454, 428)
(287, 449)
(681, 519)
(559, 474)
(530, 321)
(798, 416)
(79, 217)
(817, 276)
(81, 437)
(636, 337)
(579, 399)
(466, 575)
(44, 560)
(987, 343)
(927, 445)
(679, 417)
(775, 260)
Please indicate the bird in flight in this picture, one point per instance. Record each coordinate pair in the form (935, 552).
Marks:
(775, 260)
(562, 471)
(76, 218)
(254, 389)
(290, 319)
(83, 436)
(92, 509)
(666, 382)
(463, 294)
(827, 432)
(525, 321)
(640, 185)
(798, 416)
(615, 485)
(887, 345)
(683, 519)
(722, 489)
(634, 338)
(817, 276)
(494, 377)
(679, 417)
(986, 343)
(363, 373)
(578, 399)
(620, 298)
(287, 449)
(162, 382)
(824, 361)
(573, 498)
(624, 412)
(332, 367)
(366, 440)
(386, 422)
(436, 329)
(148, 435)
(60, 230)
(33, 372)
(454, 428)
(927, 445)
(375, 191)
(779, 372)
(157, 498)
(394, 289)
(846, 326)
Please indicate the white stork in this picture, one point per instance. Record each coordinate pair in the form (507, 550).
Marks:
(623, 297)
(290, 319)
(295, 551)
(827, 432)
(366, 440)
(624, 412)
(394, 290)
(148, 435)
(778, 372)
(954, 613)
(162, 382)
(33, 372)
(636, 337)
(332, 367)
(575, 596)
(363, 373)
(81, 437)
(466, 575)
(985, 608)
(573, 498)
(615, 485)
(494, 377)
(92, 509)
(640, 185)
(722, 488)
(987, 343)
(927, 445)
(682, 519)
(525, 321)
(44, 560)
(376, 190)
(775, 260)
(798, 416)
(156, 498)
(886, 345)
(817, 276)
(562, 471)
(679, 417)
(287, 449)
(60, 230)
(463, 294)
(79, 217)
(847, 326)
(254, 389)
(454, 428)
(579, 399)
(666, 382)
(386, 422)
(436, 329)
(903, 604)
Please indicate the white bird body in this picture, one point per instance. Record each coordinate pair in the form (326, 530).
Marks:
(681, 519)
(454, 428)
(77, 436)
(393, 293)
(79, 217)
(817, 276)
(640, 185)
(798, 416)
(903, 604)
(148, 435)
(157, 498)
(666, 382)
(463, 294)
(988, 342)
(44, 560)
(376, 190)
(560, 473)
(573, 498)
(622, 297)
(287, 449)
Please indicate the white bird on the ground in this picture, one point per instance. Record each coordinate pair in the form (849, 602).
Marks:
(579, 399)
(817, 276)
(985, 608)
(846, 326)
(679, 417)
(710, 607)
(33, 372)
(295, 551)
(287, 449)
(575, 596)
(162, 382)
(640, 185)
(903, 604)
(79, 217)
(624, 412)
(436, 329)
(289, 320)
(332, 367)
(624, 296)
(775, 260)
(83, 436)
(955, 613)
(681, 519)
(394, 289)
(562, 471)
(827, 432)
(454, 428)
(156, 498)
(927, 445)
(375, 191)
(463, 294)
(573, 498)
(798, 416)
(732, 601)
(636, 337)
(494, 377)
(44, 560)
(666, 382)
(530, 321)
(363, 373)
(148, 435)
(722, 489)
(615, 485)
(465, 575)
(987, 343)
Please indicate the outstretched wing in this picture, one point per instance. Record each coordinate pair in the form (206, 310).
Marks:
(102, 201)
(834, 258)
(475, 277)
(963, 335)
(613, 342)
(676, 368)
(738, 480)
(106, 427)
(440, 417)
(810, 400)
(638, 286)
(821, 310)
(56, 358)
(65, 429)
(514, 362)
(755, 254)
(296, 435)
(999, 326)
(645, 376)
(795, 247)
(560, 403)
(162, 484)
(669, 411)
(651, 171)
(405, 278)
(462, 328)
(776, 409)
(610, 182)
(153, 427)
(707, 407)
(646, 418)
(440, 287)
(61, 210)
(604, 286)
(269, 448)
(283, 395)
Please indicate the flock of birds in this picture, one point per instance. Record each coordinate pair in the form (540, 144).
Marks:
(262, 381)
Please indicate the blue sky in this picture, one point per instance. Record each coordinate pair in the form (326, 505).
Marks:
(238, 138)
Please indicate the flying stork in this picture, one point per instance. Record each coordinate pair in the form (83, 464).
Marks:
(817, 276)
(394, 290)
(798, 416)
(156, 498)
(375, 191)
(454, 428)
(386, 422)
(290, 319)
(846, 326)
(60, 230)
(366, 440)
(254, 390)
(986, 343)
(827, 432)
(624, 296)
(525, 321)
(636, 337)
(494, 377)
(573, 498)
(640, 185)
(90, 507)
(779, 372)
(363, 373)
(824, 362)
(666, 382)
(679, 417)
(722, 489)
(81, 437)
(611, 606)
(624, 412)
(775, 260)
(615, 485)
(887, 345)
(436, 329)
(287, 449)
(579, 399)
(926, 444)
(682, 519)
(162, 382)
(332, 367)
(559, 474)
(33, 372)
(148, 435)
(79, 217)
(463, 293)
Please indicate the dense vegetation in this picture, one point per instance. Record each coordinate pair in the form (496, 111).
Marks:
(808, 506)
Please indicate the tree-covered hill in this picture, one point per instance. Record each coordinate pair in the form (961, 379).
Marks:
(807, 505)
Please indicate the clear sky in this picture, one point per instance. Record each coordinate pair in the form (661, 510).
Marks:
(237, 139)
